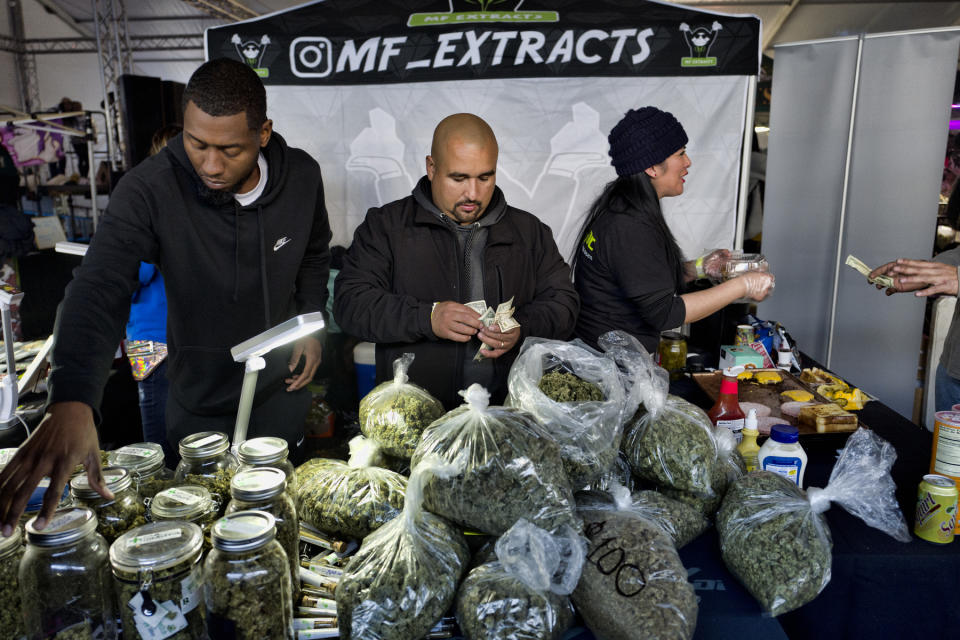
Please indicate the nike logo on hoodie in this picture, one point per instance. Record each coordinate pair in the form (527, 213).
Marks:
(279, 243)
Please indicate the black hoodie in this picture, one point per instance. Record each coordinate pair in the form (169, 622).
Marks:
(231, 272)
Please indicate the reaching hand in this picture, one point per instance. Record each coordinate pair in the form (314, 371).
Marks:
(454, 321)
(757, 284)
(311, 350)
(926, 277)
(65, 438)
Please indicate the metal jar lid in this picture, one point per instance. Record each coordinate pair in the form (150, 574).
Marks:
(143, 458)
(243, 531)
(261, 451)
(65, 527)
(155, 546)
(261, 483)
(205, 444)
(116, 479)
(9, 544)
(183, 502)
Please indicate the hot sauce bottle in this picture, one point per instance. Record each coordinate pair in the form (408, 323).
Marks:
(726, 412)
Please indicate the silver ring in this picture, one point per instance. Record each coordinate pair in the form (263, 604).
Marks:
(501, 344)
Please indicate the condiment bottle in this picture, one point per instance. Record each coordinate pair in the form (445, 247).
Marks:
(782, 453)
(748, 447)
(726, 412)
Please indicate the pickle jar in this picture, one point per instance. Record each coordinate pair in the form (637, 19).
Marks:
(190, 503)
(157, 581)
(263, 489)
(145, 463)
(246, 580)
(11, 550)
(116, 516)
(672, 353)
(65, 579)
(206, 460)
(268, 452)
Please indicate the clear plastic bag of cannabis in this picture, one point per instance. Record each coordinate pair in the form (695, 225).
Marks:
(577, 395)
(729, 467)
(523, 594)
(405, 574)
(350, 499)
(619, 473)
(674, 447)
(633, 583)
(764, 510)
(644, 381)
(396, 412)
(682, 522)
(510, 468)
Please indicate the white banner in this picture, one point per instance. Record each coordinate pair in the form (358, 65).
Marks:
(372, 140)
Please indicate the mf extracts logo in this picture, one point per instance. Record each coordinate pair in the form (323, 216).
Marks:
(251, 52)
(483, 11)
(699, 40)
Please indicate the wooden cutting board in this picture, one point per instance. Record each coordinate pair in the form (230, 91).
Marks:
(765, 394)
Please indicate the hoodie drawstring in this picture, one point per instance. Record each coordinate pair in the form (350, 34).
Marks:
(263, 271)
(236, 251)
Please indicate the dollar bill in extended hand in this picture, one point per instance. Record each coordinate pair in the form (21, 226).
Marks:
(856, 263)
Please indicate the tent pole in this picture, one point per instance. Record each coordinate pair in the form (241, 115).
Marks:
(843, 201)
(745, 163)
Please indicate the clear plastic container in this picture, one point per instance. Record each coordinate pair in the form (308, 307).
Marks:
(246, 580)
(268, 452)
(116, 516)
(11, 551)
(157, 581)
(144, 461)
(738, 264)
(263, 489)
(189, 503)
(65, 578)
(206, 461)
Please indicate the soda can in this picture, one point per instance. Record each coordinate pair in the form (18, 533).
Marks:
(936, 509)
(745, 335)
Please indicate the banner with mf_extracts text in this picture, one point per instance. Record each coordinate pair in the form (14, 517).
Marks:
(361, 84)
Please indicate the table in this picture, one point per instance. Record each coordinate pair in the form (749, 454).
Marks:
(880, 588)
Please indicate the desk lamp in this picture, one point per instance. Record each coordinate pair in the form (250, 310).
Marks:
(251, 352)
(9, 393)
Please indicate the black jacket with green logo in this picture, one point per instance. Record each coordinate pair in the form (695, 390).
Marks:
(404, 258)
(231, 272)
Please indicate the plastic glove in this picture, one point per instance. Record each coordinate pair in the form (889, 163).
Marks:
(710, 265)
(758, 284)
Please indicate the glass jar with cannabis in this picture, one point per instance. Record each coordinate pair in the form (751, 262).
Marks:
(144, 461)
(187, 502)
(65, 579)
(11, 550)
(246, 580)
(263, 489)
(157, 581)
(268, 452)
(206, 461)
(115, 516)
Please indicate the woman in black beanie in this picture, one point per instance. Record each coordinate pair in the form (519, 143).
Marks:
(628, 268)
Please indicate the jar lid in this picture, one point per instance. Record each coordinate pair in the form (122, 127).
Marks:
(260, 483)
(671, 335)
(66, 526)
(184, 502)
(143, 457)
(204, 444)
(262, 450)
(6, 455)
(116, 479)
(157, 545)
(243, 531)
(784, 433)
(6, 544)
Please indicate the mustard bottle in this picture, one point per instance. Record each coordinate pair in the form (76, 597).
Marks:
(748, 447)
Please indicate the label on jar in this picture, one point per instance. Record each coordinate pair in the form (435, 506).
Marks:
(787, 467)
(65, 520)
(181, 496)
(190, 592)
(204, 441)
(152, 538)
(165, 621)
(735, 426)
(140, 452)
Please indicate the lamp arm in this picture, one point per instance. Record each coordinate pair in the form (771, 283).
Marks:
(252, 369)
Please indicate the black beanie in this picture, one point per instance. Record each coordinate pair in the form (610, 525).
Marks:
(643, 138)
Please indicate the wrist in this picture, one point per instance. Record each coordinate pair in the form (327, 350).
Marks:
(698, 265)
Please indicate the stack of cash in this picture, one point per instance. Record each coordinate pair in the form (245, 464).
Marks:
(883, 281)
(502, 317)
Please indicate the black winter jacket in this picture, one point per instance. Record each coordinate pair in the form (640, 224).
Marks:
(231, 272)
(403, 259)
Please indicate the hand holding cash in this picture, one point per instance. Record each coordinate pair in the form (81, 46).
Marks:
(502, 317)
(884, 281)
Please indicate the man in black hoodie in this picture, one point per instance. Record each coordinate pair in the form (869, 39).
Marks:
(236, 221)
(414, 263)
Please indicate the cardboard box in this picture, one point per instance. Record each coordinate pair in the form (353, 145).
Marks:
(734, 355)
